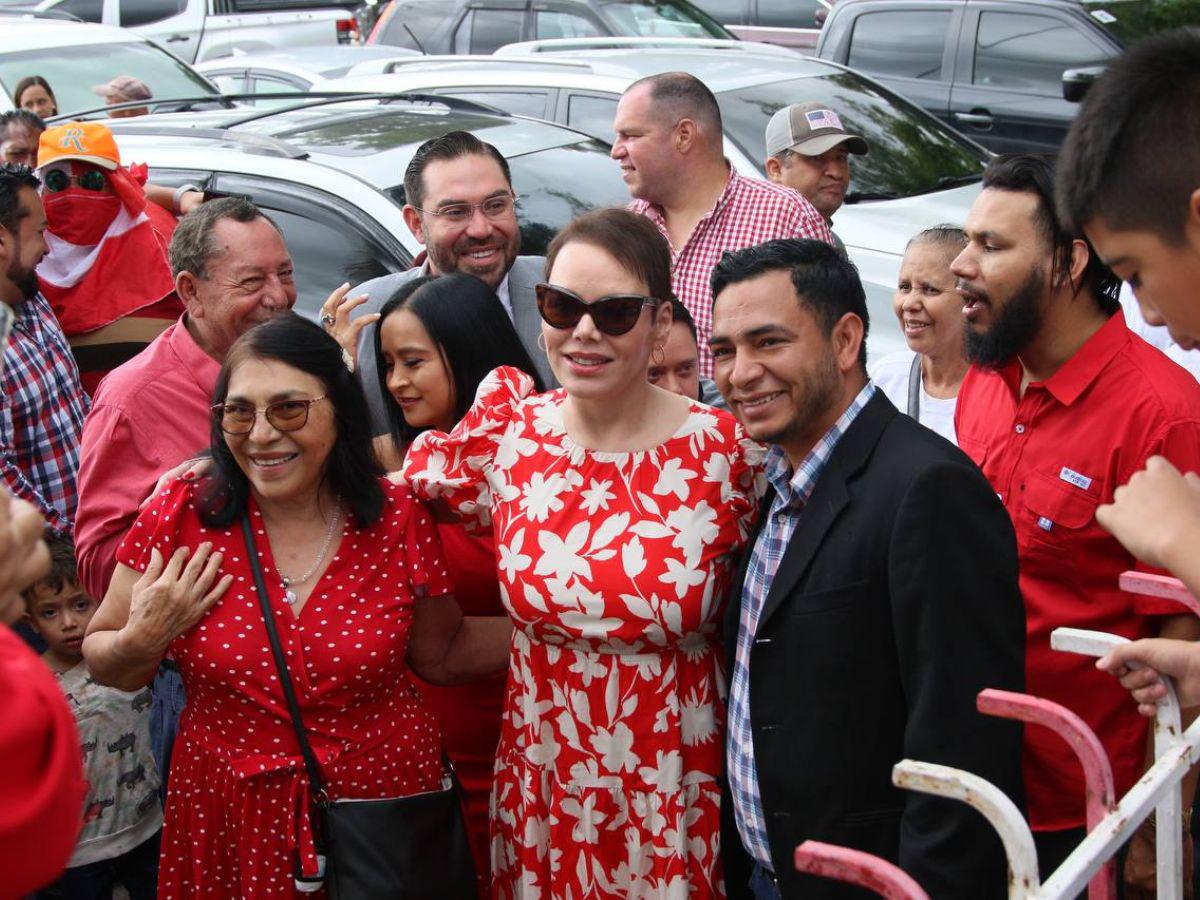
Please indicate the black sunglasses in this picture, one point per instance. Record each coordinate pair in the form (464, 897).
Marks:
(613, 314)
(57, 180)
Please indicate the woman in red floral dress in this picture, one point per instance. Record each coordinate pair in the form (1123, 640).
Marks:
(359, 591)
(617, 509)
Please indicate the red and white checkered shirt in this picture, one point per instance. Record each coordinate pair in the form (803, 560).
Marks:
(748, 212)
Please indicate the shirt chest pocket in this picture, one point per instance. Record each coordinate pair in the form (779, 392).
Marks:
(1055, 516)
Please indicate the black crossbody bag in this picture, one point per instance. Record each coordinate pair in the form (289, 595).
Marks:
(398, 848)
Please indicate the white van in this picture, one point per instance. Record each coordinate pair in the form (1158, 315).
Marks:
(197, 30)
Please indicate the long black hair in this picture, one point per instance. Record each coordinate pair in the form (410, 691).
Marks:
(351, 470)
(469, 326)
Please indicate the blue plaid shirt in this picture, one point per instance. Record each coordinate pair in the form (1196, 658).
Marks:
(791, 492)
(41, 414)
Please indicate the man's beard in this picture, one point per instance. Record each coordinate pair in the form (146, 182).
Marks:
(816, 395)
(1016, 324)
(25, 279)
(451, 261)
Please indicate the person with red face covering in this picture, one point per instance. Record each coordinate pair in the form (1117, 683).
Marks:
(106, 274)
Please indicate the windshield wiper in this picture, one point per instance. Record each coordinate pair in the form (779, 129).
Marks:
(949, 181)
(860, 196)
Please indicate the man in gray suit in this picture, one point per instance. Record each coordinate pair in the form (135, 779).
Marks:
(461, 207)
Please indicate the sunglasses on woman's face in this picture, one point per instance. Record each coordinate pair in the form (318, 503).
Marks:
(57, 180)
(613, 314)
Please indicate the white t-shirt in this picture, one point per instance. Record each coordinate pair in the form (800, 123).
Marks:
(890, 375)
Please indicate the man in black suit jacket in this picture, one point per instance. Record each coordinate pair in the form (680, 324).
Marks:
(878, 598)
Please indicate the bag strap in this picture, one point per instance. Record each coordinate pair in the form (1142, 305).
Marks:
(914, 388)
(316, 782)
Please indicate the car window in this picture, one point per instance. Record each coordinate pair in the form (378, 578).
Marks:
(519, 103)
(559, 184)
(411, 24)
(143, 12)
(88, 10)
(233, 83)
(484, 30)
(907, 44)
(727, 12)
(592, 115)
(911, 151)
(72, 71)
(1029, 53)
(659, 19)
(788, 13)
(552, 24)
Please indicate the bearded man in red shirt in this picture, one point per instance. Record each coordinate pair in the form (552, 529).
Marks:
(1062, 405)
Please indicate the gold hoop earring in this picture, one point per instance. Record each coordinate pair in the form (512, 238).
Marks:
(658, 354)
(541, 342)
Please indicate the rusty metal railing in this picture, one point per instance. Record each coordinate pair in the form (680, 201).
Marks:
(1110, 821)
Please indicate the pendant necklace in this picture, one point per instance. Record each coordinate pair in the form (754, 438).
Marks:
(288, 593)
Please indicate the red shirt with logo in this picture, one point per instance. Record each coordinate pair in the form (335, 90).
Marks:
(1053, 456)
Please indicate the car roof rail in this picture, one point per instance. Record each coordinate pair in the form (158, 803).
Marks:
(308, 100)
(560, 45)
(464, 61)
(250, 140)
(30, 13)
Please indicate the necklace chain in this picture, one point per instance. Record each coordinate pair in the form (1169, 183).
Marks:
(289, 582)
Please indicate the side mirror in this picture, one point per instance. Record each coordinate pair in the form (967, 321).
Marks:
(1075, 82)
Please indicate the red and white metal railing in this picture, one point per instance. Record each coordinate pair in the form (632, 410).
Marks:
(1110, 822)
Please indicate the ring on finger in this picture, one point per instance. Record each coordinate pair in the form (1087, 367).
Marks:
(326, 319)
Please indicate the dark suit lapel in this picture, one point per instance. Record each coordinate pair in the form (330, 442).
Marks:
(828, 499)
(733, 610)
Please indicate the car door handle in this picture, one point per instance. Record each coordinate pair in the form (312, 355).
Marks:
(972, 118)
(176, 38)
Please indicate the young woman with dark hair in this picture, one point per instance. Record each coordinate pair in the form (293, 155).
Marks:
(437, 339)
(359, 590)
(617, 509)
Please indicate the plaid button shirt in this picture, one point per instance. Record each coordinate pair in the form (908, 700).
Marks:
(748, 212)
(791, 492)
(41, 414)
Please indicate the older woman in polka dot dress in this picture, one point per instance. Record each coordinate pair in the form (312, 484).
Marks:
(359, 592)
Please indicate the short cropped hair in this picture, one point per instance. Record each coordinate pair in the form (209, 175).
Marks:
(30, 120)
(826, 282)
(454, 145)
(62, 574)
(633, 240)
(1132, 156)
(13, 177)
(679, 313)
(1030, 174)
(193, 247)
(683, 96)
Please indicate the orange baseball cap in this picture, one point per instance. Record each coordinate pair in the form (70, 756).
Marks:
(85, 141)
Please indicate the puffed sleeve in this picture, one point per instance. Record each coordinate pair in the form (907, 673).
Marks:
(733, 465)
(157, 525)
(456, 467)
(425, 561)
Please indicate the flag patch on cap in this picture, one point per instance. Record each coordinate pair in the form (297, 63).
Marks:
(823, 118)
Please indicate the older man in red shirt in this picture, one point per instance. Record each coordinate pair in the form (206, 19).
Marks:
(1061, 406)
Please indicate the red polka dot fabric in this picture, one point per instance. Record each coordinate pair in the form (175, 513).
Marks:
(237, 811)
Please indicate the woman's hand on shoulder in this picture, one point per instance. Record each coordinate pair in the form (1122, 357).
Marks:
(189, 470)
(172, 596)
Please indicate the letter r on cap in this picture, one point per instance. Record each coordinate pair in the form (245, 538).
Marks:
(72, 139)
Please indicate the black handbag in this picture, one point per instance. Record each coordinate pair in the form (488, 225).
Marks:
(398, 848)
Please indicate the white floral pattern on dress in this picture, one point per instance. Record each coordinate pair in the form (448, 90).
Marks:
(614, 566)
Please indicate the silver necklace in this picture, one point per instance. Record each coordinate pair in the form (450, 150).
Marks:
(288, 593)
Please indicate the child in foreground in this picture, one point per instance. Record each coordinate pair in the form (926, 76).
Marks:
(122, 817)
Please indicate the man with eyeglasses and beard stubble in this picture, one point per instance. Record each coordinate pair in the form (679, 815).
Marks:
(461, 206)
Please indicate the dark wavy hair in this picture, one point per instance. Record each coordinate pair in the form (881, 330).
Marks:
(469, 326)
(351, 469)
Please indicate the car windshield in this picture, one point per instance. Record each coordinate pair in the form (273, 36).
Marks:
(73, 71)
(1129, 20)
(664, 18)
(911, 152)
